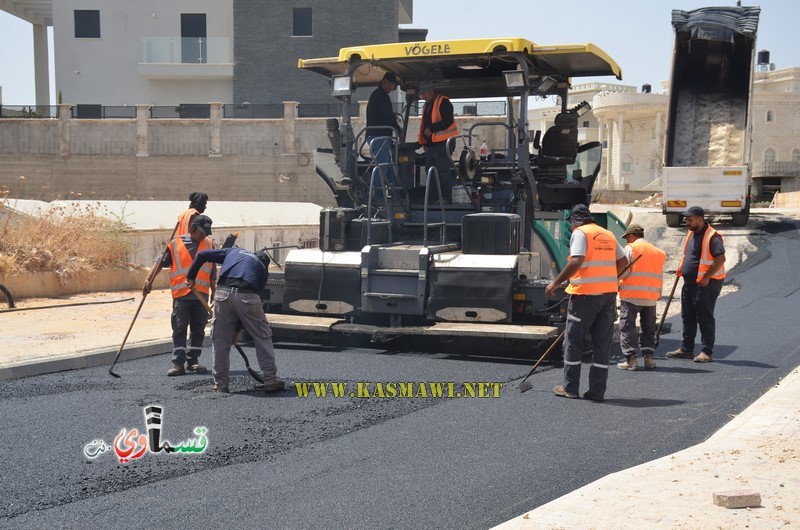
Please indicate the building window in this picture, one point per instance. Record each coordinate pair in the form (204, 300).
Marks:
(769, 115)
(302, 22)
(627, 164)
(586, 123)
(87, 24)
(795, 155)
(627, 133)
(769, 155)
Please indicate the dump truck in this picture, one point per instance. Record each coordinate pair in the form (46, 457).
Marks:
(707, 144)
(391, 261)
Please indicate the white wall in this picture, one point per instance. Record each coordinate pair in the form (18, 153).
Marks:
(108, 66)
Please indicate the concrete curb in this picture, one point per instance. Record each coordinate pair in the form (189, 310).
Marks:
(85, 359)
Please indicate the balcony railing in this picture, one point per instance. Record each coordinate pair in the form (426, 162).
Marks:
(776, 169)
(186, 50)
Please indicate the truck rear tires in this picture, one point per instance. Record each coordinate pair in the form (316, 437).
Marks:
(673, 220)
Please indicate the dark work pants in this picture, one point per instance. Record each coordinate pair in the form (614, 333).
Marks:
(593, 314)
(438, 157)
(697, 309)
(188, 313)
(629, 340)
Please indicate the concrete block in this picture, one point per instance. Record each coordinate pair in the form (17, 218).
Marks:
(737, 499)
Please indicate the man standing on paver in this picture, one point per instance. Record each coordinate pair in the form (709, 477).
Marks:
(639, 291)
(703, 269)
(595, 261)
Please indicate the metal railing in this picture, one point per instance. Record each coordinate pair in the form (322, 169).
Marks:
(253, 110)
(776, 169)
(185, 111)
(29, 111)
(323, 110)
(187, 50)
(99, 112)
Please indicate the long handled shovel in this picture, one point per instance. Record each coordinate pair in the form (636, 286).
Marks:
(664, 315)
(144, 296)
(524, 386)
(253, 373)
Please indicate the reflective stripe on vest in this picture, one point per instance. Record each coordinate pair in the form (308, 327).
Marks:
(181, 262)
(184, 219)
(646, 278)
(436, 117)
(598, 272)
(706, 259)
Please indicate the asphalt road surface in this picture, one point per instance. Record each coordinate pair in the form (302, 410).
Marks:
(282, 461)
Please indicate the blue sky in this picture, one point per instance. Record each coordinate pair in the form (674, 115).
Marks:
(636, 33)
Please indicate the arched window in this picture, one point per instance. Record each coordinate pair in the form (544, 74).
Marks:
(795, 155)
(769, 155)
(769, 115)
(627, 133)
(627, 164)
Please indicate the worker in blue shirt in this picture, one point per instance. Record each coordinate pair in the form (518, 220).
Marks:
(242, 276)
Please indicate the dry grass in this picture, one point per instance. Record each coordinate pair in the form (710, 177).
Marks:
(64, 239)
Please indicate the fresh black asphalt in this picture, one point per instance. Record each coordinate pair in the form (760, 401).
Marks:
(279, 461)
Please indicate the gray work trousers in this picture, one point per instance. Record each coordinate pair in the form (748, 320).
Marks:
(592, 314)
(230, 307)
(188, 314)
(629, 340)
(438, 156)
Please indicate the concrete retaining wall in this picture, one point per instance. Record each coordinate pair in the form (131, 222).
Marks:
(53, 285)
(163, 159)
(786, 200)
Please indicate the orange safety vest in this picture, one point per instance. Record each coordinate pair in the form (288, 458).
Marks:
(706, 259)
(647, 275)
(598, 273)
(184, 219)
(181, 261)
(436, 117)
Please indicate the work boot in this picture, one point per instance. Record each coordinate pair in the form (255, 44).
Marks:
(274, 385)
(649, 363)
(594, 396)
(195, 367)
(222, 389)
(631, 364)
(561, 391)
(177, 369)
(703, 357)
(680, 353)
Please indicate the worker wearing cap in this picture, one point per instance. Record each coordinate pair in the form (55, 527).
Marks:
(382, 125)
(639, 291)
(595, 261)
(242, 277)
(197, 205)
(436, 126)
(703, 270)
(188, 313)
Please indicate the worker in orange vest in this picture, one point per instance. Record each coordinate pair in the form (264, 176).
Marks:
(703, 270)
(188, 313)
(436, 126)
(595, 261)
(197, 205)
(639, 292)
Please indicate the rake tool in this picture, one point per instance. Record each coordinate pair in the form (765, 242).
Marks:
(524, 386)
(664, 315)
(144, 296)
